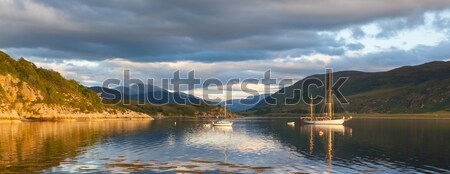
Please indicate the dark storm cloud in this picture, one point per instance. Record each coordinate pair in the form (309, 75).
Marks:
(199, 30)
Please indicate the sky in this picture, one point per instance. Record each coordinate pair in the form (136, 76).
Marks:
(94, 40)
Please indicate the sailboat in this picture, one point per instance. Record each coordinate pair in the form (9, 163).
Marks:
(330, 118)
(223, 122)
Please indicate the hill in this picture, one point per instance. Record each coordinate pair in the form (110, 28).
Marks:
(29, 92)
(410, 89)
(156, 95)
(182, 108)
(239, 105)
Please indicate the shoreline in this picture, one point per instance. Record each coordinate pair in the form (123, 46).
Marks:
(355, 116)
(74, 119)
(404, 115)
(66, 116)
(440, 115)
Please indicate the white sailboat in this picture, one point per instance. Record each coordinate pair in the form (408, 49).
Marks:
(329, 119)
(223, 122)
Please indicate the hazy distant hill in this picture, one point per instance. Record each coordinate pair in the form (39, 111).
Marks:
(409, 89)
(27, 91)
(238, 105)
(149, 94)
(154, 106)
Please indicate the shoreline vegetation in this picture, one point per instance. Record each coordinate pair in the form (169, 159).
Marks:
(409, 89)
(29, 93)
(439, 115)
(77, 119)
(405, 115)
(59, 115)
(369, 115)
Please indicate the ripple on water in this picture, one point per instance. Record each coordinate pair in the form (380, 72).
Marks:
(251, 146)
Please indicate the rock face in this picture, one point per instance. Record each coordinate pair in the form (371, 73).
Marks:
(28, 92)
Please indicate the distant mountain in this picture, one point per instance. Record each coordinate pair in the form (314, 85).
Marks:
(200, 109)
(409, 89)
(148, 94)
(141, 89)
(238, 105)
(29, 92)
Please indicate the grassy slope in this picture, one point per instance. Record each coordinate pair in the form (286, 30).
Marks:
(419, 89)
(54, 88)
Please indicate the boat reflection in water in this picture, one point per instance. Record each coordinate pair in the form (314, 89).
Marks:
(222, 129)
(324, 136)
(252, 145)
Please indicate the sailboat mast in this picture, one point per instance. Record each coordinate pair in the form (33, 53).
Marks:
(225, 105)
(311, 107)
(330, 93)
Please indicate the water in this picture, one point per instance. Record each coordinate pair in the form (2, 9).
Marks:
(251, 145)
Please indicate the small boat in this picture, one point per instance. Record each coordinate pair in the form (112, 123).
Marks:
(329, 119)
(292, 123)
(222, 123)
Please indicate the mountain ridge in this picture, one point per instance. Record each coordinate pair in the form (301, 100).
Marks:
(201, 109)
(407, 89)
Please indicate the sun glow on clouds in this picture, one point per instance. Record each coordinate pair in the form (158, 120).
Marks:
(320, 59)
(214, 93)
(92, 73)
(387, 37)
(67, 68)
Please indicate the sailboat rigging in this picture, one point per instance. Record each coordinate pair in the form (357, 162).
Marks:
(329, 118)
(223, 122)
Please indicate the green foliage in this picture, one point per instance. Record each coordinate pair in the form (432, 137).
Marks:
(412, 89)
(55, 88)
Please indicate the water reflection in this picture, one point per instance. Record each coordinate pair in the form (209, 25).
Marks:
(237, 141)
(34, 146)
(325, 134)
(251, 145)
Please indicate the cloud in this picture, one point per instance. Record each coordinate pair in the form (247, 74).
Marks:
(391, 27)
(357, 32)
(207, 31)
(91, 41)
(93, 73)
(354, 46)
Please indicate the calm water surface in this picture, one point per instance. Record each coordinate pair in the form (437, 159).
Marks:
(252, 145)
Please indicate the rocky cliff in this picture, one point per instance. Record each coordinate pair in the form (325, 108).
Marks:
(28, 92)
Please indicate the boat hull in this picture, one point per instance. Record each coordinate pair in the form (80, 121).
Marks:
(327, 122)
